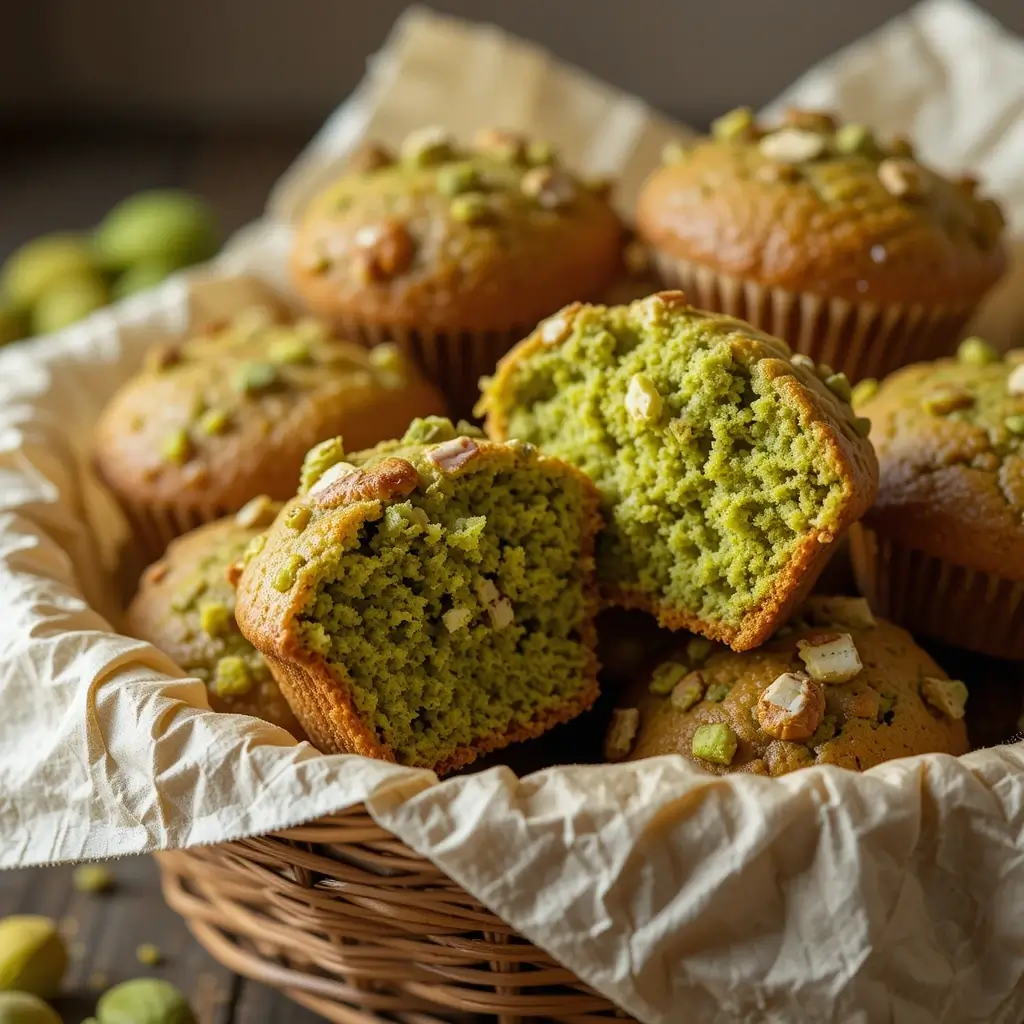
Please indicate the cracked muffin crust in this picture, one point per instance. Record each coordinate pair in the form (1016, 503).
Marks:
(781, 707)
(942, 550)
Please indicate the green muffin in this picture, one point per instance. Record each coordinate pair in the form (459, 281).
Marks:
(429, 599)
(728, 468)
(185, 606)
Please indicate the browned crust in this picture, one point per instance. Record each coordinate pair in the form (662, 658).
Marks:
(321, 697)
(852, 456)
(711, 209)
(387, 479)
(463, 278)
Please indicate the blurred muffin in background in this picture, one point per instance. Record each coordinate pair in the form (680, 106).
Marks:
(454, 252)
(230, 412)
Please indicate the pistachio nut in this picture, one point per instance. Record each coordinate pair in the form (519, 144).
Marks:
(144, 1001)
(25, 1008)
(33, 957)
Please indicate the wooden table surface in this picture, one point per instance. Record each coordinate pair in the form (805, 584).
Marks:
(67, 179)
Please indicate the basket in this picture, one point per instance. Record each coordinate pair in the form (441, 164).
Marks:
(350, 922)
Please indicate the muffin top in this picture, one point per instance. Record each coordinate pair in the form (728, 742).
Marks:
(186, 606)
(835, 687)
(489, 237)
(814, 206)
(229, 413)
(950, 441)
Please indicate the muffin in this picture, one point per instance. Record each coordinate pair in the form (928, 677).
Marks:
(430, 599)
(942, 551)
(454, 252)
(186, 607)
(849, 248)
(229, 413)
(727, 469)
(838, 688)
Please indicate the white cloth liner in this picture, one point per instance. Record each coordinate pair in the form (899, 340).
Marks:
(823, 896)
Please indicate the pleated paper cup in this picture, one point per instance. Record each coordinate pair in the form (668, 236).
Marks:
(978, 611)
(153, 527)
(454, 361)
(861, 339)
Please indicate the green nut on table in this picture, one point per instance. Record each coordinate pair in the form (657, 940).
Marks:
(25, 1008)
(68, 301)
(38, 265)
(163, 225)
(33, 957)
(144, 1001)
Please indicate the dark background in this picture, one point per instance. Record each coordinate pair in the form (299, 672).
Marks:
(99, 98)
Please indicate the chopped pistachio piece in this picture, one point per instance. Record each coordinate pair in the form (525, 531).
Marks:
(1015, 424)
(232, 677)
(791, 707)
(863, 391)
(792, 146)
(455, 618)
(431, 145)
(736, 124)
(665, 677)
(297, 518)
(643, 401)
(213, 422)
(550, 187)
(717, 692)
(471, 208)
(830, 657)
(93, 878)
(289, 350)
(698, 648)
(148, 955)
(688, 692)
(849, 612)
(854, 138)
(189, 593)
(976, 352)
(799, 359)
(839, 385)
(903, 179)
(255, 377)
(454, 179)
(621, 733)
(254, 547)
(715, 743)
(862, 426)
(177, 447)
(214, 618)
(945, 400)
(540, 153)
(286, 575)
(258, 511)
(674, 153)
(318, 460)
(946, 695)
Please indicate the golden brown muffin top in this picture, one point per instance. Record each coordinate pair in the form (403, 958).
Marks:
(488, 237)
(776, 709)
(230, 412)
(186, 607)
(814, 206)
(950, 443)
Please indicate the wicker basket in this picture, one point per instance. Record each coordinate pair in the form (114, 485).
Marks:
(347, 920)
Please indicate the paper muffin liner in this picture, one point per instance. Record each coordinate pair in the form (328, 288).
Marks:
(153, 527)
(860, 338)
(452, 360)
(978, 611)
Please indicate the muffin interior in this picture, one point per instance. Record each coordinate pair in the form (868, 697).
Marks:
(459, 613)
(707, 498)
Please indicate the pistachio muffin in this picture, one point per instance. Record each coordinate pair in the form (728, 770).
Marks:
(429, 599)
(942, 551)
(229, 413)
(186, 607)
(727, 469)
(838, 687)
(454, 252)
(846, 246)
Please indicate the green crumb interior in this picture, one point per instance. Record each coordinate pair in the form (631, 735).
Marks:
(457, 614)
(706, 502)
